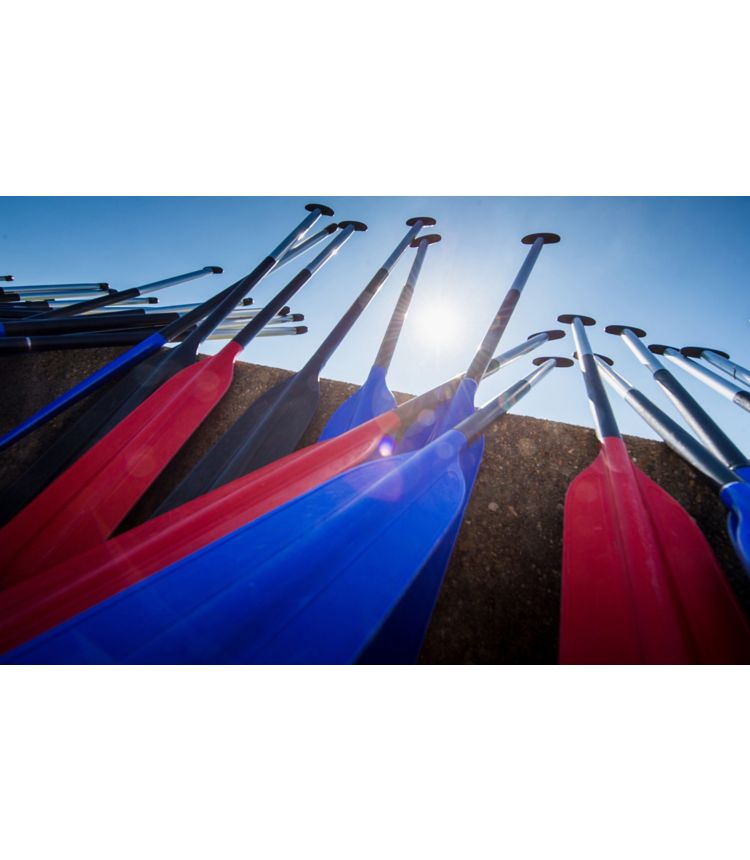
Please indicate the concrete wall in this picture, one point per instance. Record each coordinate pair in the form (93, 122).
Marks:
(500, 599)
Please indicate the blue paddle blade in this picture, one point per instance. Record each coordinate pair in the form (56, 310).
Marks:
(736, 497)
(743, 473)
(400, 638)
(373, 399)
(357, 544)
(133, 356)
(432, 422)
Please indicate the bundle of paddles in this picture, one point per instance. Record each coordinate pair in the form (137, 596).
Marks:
(267, 552)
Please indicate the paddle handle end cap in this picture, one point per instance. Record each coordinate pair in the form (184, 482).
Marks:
(619, 329)
(300, 329)
(214, 270)
(552, 334)
(605, 358)
(568, 318)
(660, 348)
(103, 285)
(330, 228)
(697, 351)
(430, 238)
(548, 238)
(558, 359)
(6, 277)
(359, 226)
(425, 219)
(324, 210)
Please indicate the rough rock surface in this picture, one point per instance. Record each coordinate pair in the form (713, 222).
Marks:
(500, 598)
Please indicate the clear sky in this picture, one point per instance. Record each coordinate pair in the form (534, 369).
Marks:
(677, 267)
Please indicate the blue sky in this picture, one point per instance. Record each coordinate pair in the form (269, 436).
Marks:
(676, 267)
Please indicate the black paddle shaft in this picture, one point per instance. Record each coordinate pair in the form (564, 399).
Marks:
(273, 425)
(488, 346)
(95, 322)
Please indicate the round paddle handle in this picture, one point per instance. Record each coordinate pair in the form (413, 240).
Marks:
(558, 359)
(619, 329)
(697, 351)
(548, 238)
(568, 318)
(552, 334)
(324, 210)
(430, 238)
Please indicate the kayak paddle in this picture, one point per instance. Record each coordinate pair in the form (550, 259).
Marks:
(88, 501)
(313, 581)
(142, 368)
(274, 423)
(719, 360)
(734, 393)
(640, 583)
(733, 492)
(374, 396)
(59, 592)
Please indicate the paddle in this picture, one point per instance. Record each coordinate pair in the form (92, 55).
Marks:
(312, 581)
(56, 594)
(70, 325)
(734, 493)
(133, 293)
(273, 425)
(6, 277)
(719, 360)
(88, 501)
(46, 290)
(734, 393)
(412, 618)
(704, 427)
(146, 369)
(374, 397)
(639, 581)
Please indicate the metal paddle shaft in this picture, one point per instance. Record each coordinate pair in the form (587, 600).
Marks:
(640, 583)
(273, 425)
(88, 501)
(720, 360)
(720, 385)
(704, 427)
(734, 493)
(133, 293)
(374, 397)
(146, 370)
(294, 583)
(51, 289)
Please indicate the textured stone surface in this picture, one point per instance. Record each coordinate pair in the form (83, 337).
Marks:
(500, 599)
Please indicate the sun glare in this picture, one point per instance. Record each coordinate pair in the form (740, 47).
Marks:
(439, 323)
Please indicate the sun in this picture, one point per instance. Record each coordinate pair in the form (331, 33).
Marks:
(439, 322)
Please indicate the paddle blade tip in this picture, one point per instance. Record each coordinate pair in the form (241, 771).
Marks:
(430, 239)
(552, 334)
(558, 359)
(697, 351)
(425, 219)
(324, 210)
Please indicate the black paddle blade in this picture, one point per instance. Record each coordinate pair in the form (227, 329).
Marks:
(114, 405)
(270, 428)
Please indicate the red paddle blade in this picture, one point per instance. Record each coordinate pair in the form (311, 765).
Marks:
(85, 504)
(60, 592)
(640, 582)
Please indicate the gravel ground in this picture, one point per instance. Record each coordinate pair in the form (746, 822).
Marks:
(500, 598)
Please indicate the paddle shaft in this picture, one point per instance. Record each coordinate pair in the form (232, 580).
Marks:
(719, 384)
(705, 428)
(676, 437)
(396, 323)
(500, 323)
(731, 368)
(133, 293)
